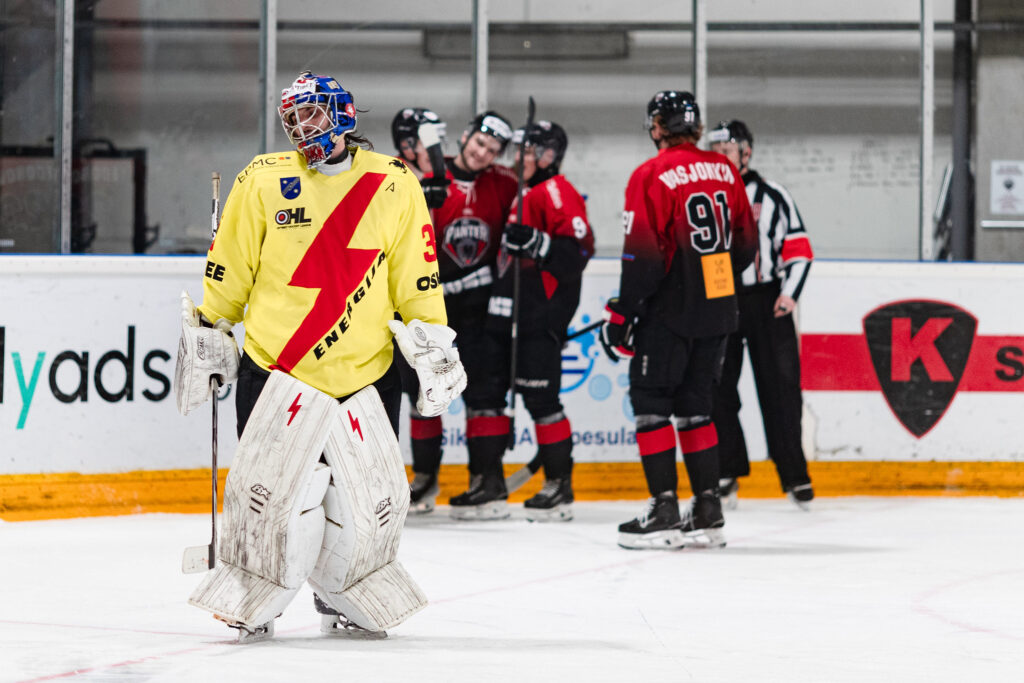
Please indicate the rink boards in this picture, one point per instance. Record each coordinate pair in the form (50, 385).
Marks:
(912, 376)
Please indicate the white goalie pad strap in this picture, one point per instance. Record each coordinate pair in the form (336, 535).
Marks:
(428, 350)
(366, 506)
(273, 524)
(203, 353)
(379, 601)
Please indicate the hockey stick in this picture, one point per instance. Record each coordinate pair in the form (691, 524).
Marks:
(515, 288)
(200, 558)
(588, 328)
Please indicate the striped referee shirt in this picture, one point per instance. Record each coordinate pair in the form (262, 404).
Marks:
(783, 249)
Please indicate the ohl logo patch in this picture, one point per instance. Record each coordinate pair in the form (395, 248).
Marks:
(919, 350)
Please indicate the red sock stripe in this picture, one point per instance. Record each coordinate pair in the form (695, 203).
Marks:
(699, 438)
(425, 427)
(487, 426)
(656, 441)
(554, 432)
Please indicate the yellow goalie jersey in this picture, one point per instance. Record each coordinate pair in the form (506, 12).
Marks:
(316, 265)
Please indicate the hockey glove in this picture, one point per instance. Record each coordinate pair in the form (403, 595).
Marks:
(428, 349)
(617, 332)
(435, 190)
(205, 351)
(522, 241)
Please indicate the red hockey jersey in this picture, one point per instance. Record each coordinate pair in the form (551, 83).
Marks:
(469, 225)
(688, 228)
(549, 293)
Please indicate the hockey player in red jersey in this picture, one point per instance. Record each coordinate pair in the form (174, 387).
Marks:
(468, 227)
(418, 134)
(553, 244)
(688, 228)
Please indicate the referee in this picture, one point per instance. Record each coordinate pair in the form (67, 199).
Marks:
(767, 292)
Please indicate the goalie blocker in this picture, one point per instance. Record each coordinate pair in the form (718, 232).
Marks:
(317, 492)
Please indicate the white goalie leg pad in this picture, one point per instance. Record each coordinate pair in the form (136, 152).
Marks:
(366, 505)
(273, 524)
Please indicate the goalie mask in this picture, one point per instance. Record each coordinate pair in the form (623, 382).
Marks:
(678, 111)
(316, 112)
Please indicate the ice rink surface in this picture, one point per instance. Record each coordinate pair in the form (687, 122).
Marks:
(858, 589)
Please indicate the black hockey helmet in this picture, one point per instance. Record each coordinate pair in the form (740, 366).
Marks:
(731, 131)
(678, 110)
(544, 135)
(492, 123)
(406, 124)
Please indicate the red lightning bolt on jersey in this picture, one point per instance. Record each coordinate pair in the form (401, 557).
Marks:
(333, 267)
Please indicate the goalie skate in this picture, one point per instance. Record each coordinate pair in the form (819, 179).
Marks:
(249, 634)
(333, 623)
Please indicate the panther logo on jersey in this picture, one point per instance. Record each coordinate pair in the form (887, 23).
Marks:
(466, 240)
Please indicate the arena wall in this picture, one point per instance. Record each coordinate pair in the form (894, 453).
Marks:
(912, 375)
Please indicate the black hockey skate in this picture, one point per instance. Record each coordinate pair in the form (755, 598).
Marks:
(553, 503)
(656, 528)
(423, 492)
(702, 522)
(801, 495)
(727, 489)
(334, 623)
(487, 498)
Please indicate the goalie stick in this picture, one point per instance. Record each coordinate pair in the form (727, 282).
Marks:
(200, 558)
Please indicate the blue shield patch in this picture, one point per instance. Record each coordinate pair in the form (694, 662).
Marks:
(290, 188)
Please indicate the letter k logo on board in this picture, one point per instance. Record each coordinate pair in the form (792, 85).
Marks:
(919, 350)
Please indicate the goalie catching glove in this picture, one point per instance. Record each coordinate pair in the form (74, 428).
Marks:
(205, 352)
(428, 350)
(617, 332)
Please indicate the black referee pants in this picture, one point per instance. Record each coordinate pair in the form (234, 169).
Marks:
(775, 361)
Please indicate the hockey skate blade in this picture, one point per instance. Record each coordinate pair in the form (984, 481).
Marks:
(704, 538)
(249, 634)
(559, 513)
(494, 510)
(668, 539)
(196, 559)
(339, 627)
